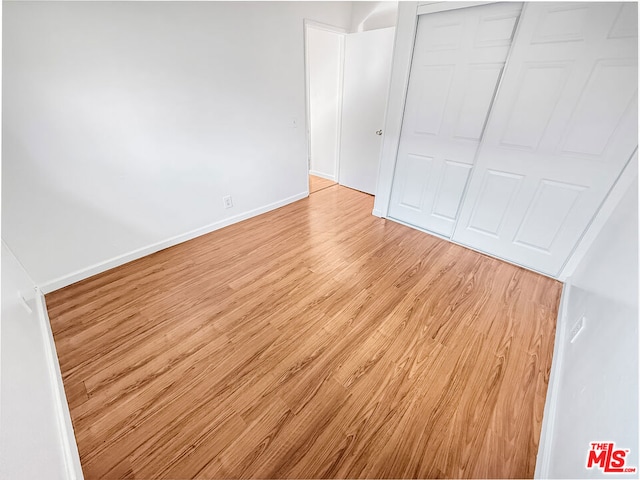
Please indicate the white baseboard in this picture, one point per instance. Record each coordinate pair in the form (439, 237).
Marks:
(65, 426)
(97, 268)
(323, 175)
(377, 213)
(545, 446)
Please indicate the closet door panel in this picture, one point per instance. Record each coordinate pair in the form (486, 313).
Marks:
(564, 123)
(458, 61)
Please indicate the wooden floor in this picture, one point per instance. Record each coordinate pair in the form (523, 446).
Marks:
(315, 341)
(318, 183)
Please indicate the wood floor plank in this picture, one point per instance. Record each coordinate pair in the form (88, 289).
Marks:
(318, 183)
(314, 341)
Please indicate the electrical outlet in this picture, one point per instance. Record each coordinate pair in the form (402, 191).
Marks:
(228, 201)
(576, 329)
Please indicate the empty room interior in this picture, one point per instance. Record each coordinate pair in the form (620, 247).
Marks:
(325, 239)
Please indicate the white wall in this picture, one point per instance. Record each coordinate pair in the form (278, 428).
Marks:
(325, 53)
(597, 385)
(30, 437)
(125, 123)
(373, 15)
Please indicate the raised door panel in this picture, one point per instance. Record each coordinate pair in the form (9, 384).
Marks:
(458, 60)
(497, 192)
(552, 205)
(565, 123)
(415, 170)
(606, 98)
(450, 188)
(433, 96)
(538, 89)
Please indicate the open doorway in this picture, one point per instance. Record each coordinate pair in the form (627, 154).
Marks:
(324, 54)
(347, 81)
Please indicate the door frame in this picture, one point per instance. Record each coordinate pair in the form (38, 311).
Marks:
(307, 23)
(406, 30)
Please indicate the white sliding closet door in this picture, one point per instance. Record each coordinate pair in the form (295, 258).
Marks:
(561, 129)
(458, 59)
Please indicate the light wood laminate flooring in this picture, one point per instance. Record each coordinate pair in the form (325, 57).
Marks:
(318, 183)
(314, 341)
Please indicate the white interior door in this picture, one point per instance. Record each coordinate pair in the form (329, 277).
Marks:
(324, 50)
(367, 71)
(561, 129)
(458, 59)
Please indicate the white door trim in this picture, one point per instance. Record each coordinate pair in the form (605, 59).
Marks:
(434, 7)
(400, 68)
(323, 26)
